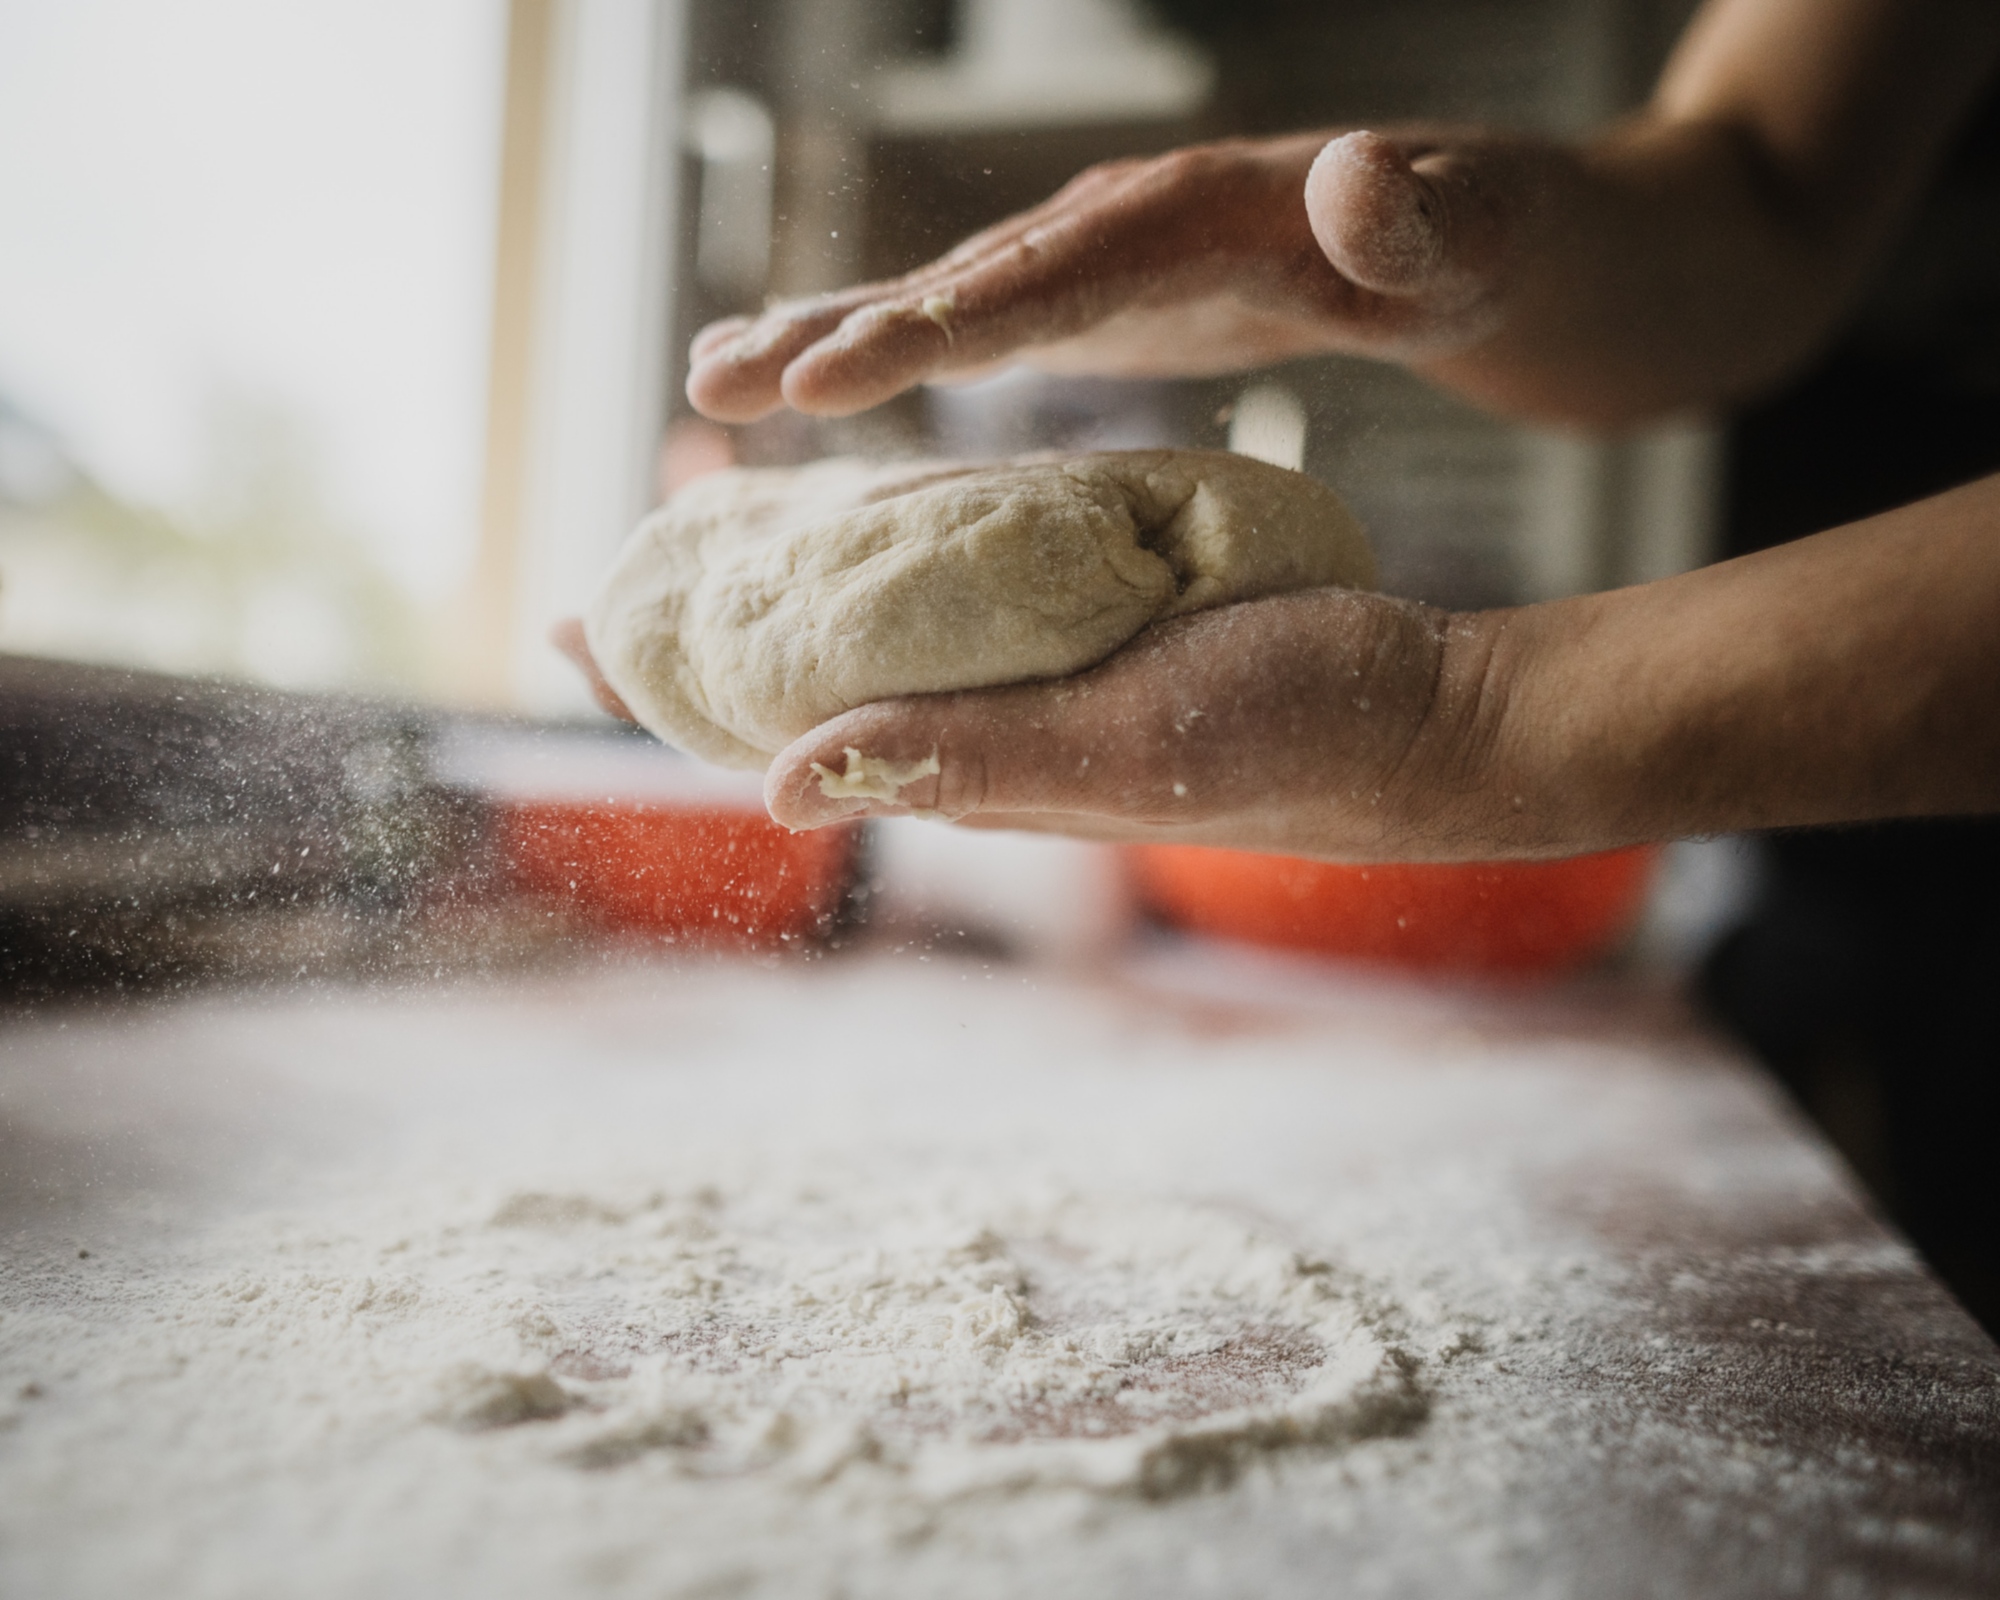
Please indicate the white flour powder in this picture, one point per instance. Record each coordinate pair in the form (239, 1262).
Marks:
(884, 1282)
(948, 1341)
(844, 1357)
(922, 1341)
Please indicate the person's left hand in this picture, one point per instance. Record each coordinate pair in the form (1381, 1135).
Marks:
(1334, 723)
(567, 636)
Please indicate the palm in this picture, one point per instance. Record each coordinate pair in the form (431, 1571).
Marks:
(1283, 724)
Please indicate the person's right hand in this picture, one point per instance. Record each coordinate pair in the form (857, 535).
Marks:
(1691, 253)
(1199, 261)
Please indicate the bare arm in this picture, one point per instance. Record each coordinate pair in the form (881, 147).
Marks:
(1697, 250)
(1849, 676)
(1688, 254)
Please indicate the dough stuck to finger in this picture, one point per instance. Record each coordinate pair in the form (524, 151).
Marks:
(871, 777)
(757, 604)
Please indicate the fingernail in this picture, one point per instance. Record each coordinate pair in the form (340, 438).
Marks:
(810, 813)
(754, 341)
(831, 819)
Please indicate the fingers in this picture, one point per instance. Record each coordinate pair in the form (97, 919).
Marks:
(1152, 738)
(1417, 228)
(986, 315)
(875, 353)
(1407, 239)
(736, 365)
(987, 751)
(1034, 278)
(839, 356)
(820, 356)
(567, 636)
(717, 334)
(1414, 229)
(832, 358)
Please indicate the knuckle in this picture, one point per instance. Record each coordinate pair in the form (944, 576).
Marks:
(1196, 167)
(1100, 173)
(961, 785)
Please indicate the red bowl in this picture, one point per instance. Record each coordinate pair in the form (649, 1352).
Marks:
(1498, 916)
(714, 876)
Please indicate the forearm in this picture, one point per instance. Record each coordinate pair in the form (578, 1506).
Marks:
(1695, 252)
(1647, 276)
(1850, 676)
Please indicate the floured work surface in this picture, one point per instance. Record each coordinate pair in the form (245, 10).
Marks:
(1214, 1276)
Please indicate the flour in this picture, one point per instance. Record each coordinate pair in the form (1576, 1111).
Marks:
(954, 1343)
(871, 777)
(840, 1356)
(906, 1279)
(926, 1344)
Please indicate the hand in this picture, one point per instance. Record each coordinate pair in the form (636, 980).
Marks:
(1303, 723)
(1332, 723)
(1200, 261)
(568, 637)
(1844, 677)
(1690, 253)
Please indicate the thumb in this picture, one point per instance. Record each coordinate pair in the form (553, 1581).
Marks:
(1410, 228)
(1026, 749)
(945, 755)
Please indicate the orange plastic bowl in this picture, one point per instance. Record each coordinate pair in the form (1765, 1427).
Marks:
(713, 876)
(1501, 916)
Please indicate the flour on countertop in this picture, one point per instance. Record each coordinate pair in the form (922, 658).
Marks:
(829, 1352)
(917, 1342)
(947, 1342)
(701, 1283)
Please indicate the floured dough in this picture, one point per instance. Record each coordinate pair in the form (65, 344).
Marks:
(871, 777)
(759, 603)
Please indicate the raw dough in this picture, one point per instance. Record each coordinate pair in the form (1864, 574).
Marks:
(759, 603)
(871, 777)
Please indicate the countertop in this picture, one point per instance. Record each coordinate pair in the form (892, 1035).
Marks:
(1651, 1341)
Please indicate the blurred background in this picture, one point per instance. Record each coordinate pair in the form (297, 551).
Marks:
(341, 343)
(245, 290)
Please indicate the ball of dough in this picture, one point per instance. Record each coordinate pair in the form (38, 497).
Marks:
(759, 603)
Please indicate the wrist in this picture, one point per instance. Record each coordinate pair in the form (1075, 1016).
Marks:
(1513, 753)
(1459, 781)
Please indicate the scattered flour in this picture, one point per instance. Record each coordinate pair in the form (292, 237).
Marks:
(937, 1343)
(702, 1282)
(846, 1356)
(950, 1343)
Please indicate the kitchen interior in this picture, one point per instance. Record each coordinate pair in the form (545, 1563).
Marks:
(383, 1053)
